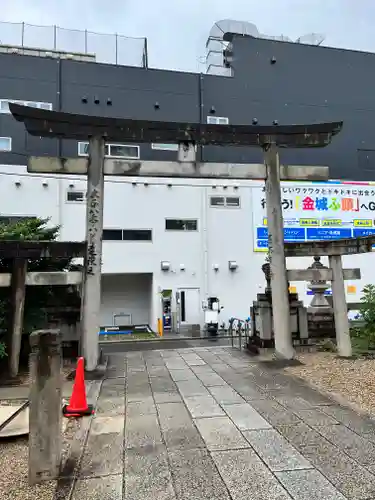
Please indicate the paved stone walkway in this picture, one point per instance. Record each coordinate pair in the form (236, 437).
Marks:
(213, 423)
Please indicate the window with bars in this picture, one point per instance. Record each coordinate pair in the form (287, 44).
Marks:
(225, 201)
(217, 120)
(113, 150)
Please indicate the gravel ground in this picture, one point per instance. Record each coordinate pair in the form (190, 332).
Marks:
(14, 463)
(14, 473)
(353, 380)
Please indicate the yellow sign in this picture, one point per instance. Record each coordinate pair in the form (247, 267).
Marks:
(332, 222)
(309, 222)
(362, 223)
(264, 221)
(352, 289)
(292, 289)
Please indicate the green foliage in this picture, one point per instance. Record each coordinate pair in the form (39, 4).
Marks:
(365, 334)
(43, 296)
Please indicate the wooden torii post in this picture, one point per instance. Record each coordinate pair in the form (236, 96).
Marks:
(99, 129)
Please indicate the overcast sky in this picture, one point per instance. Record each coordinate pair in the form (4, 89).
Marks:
(177, 29)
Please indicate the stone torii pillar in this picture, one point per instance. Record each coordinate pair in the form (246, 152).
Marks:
(45, 123)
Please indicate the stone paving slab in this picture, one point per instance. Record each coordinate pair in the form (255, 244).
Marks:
(308, 485)
(203, 406)
(276, 451)
(274, 412)
(142, 431)
(147, 474)
(177, 427)
(347, 475)
(196, 477)
(315, 417)
(355, 446)
(246, 476)
(137, 408)
(226, 395)
(103, 455)
(245, 417)
(189, 388)
(220, 433)
(99, 488)
(212, 423)
(179, 375)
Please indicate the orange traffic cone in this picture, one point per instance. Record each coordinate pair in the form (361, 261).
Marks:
(78, 406)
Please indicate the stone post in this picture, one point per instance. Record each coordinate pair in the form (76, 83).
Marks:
(45, 406)
(279, 283)
(93, 262)
(340, 308)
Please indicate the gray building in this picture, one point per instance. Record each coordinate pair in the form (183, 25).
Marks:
(263, 80)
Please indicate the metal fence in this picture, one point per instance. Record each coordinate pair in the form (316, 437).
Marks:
(109, 49)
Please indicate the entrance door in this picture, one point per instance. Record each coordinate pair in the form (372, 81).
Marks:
(190, 306)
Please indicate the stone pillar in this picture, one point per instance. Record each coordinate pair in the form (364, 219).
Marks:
(45, 406)
(91, 296)
(302, 322)
(265, 321)
(18, 286)
(344, 345)
(279, 283)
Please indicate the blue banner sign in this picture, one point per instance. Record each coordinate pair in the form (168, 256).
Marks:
(357, 233)
(290, 233)
(331, 233)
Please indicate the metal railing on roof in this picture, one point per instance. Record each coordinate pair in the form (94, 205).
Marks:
(107, 48)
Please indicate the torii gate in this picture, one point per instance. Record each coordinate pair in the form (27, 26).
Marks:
(97, 130)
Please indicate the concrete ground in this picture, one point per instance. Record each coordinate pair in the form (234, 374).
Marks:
(213, 423)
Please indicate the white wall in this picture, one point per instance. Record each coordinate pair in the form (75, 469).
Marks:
(223, 234)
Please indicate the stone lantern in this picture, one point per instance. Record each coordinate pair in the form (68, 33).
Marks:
(319, 312)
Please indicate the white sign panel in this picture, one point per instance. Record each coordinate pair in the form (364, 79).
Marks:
(318, 211)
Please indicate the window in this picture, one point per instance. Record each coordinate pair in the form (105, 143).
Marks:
(181, 224)
(127, 234)
(217, 120)
(112, 234)
(136, 234)
(5, 144)
(164, 147)
(225, 201)
(232, 201)
(75, 196)
(112, 150)
(217, 201)
(4, 105)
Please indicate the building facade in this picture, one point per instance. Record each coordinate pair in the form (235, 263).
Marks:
(181, 235)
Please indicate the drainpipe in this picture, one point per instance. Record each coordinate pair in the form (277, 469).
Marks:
(206, 282)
